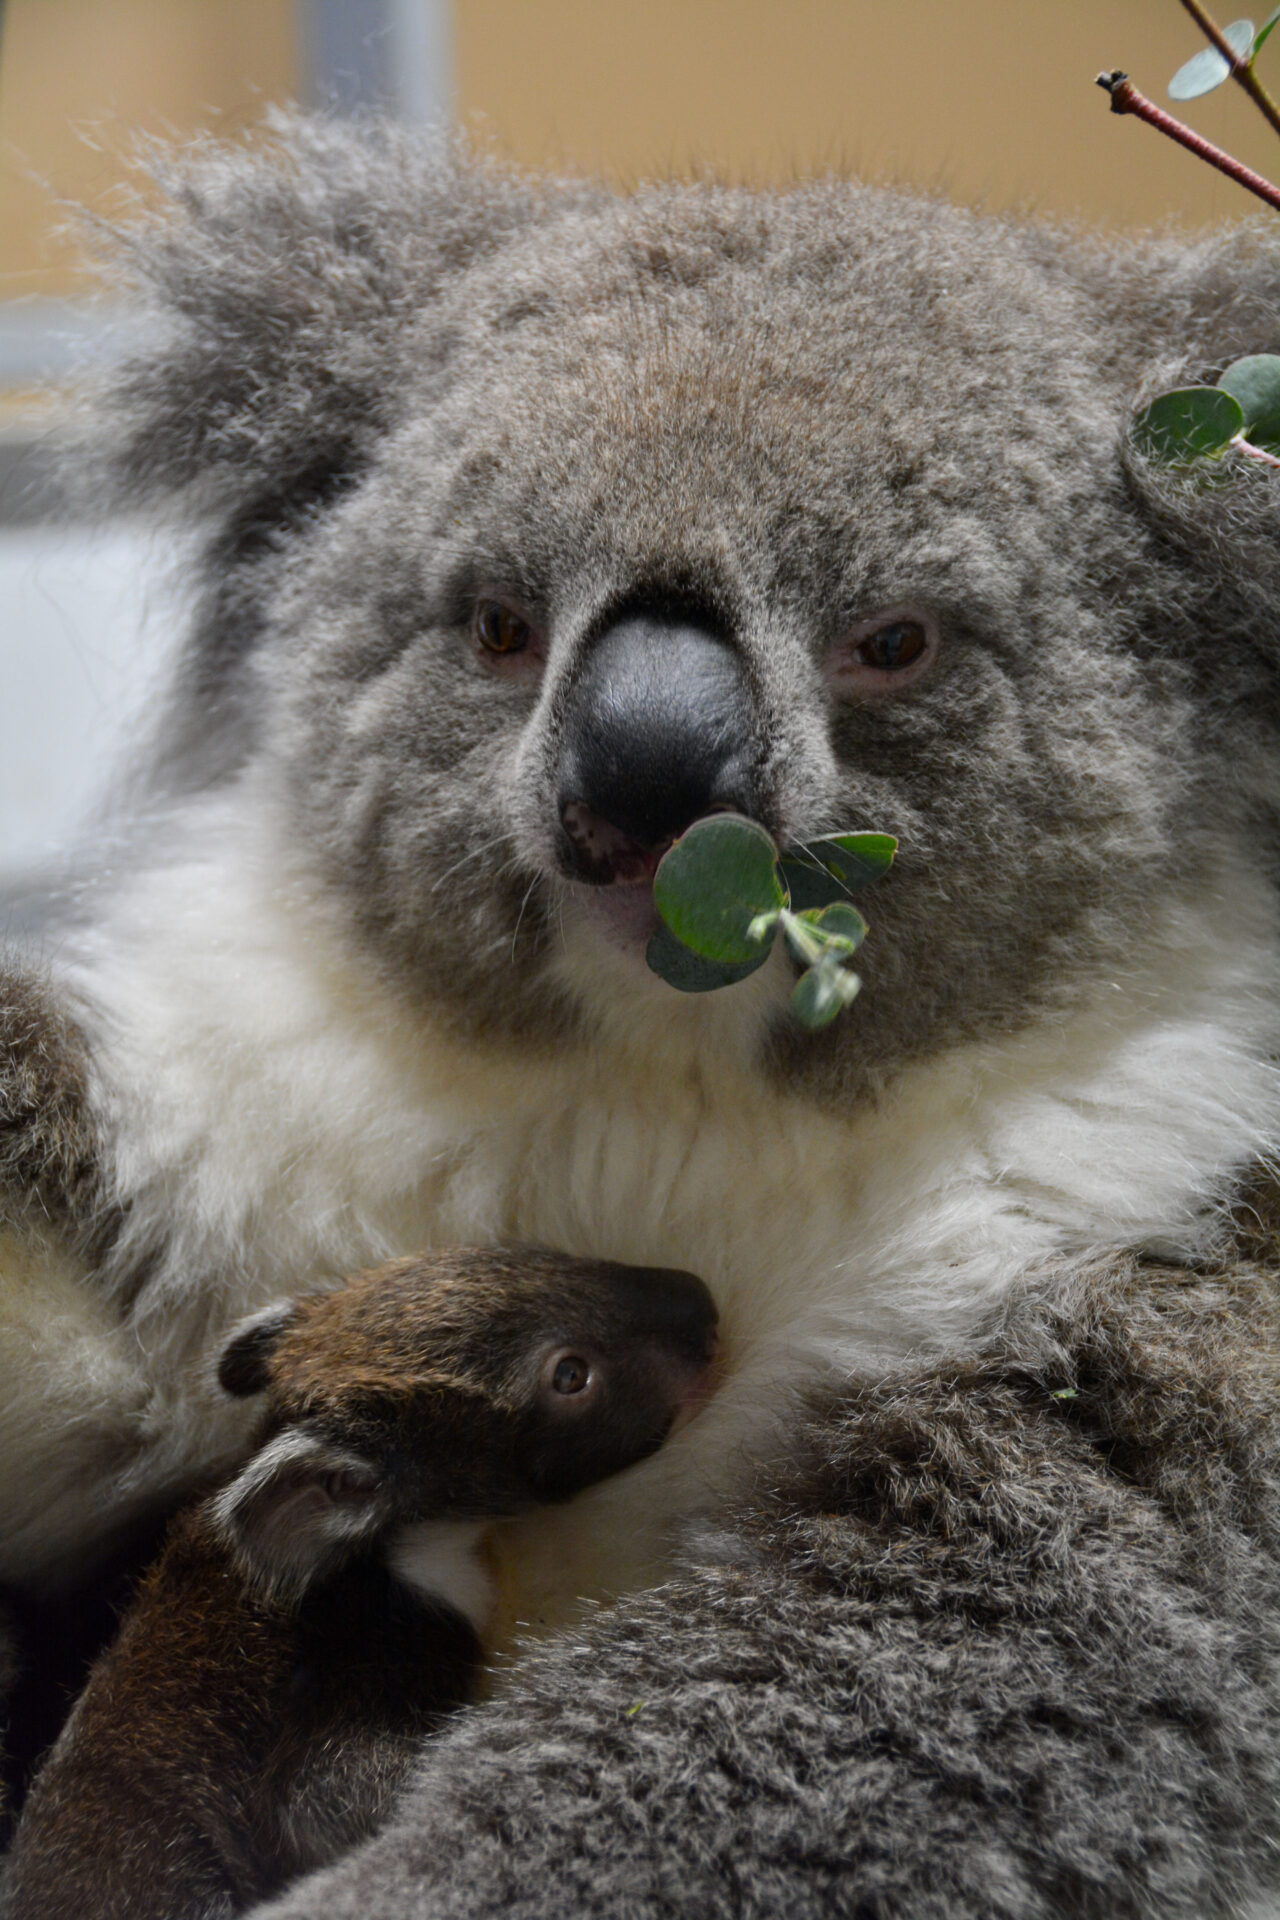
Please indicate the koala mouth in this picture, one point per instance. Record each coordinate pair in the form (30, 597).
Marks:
(604, 855)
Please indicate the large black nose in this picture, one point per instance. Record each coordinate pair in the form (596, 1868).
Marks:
(658, 731)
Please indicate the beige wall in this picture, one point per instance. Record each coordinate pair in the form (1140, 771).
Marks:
(989, 98)
(80, 78)
(979, 97)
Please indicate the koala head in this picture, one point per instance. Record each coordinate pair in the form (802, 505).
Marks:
(544, 521)
(468, 1383)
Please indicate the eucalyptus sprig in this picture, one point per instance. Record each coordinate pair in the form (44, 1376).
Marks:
(1241, 414)
(724, 891)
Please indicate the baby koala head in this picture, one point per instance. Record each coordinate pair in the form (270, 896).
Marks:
(467, 1384)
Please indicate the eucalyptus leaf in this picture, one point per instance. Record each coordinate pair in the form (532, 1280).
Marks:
(834, 932)
(687, 971)
(840, 924)
(1209, 69)
(715, 880)
(809, 886)
(1188, 424)
(853, 859)
(822, 993)
(1255, 383)
(1264, 30)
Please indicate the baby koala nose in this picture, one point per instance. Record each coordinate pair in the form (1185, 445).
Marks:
(659, 730)
(671, 1307)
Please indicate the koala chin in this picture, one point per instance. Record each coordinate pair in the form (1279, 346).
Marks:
(533, 523)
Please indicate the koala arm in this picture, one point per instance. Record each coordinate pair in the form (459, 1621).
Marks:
(1004, 1644)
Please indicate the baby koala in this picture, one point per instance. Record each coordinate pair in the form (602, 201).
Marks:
(310, 1621)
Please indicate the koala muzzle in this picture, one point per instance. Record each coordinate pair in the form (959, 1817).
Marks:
(658, 731)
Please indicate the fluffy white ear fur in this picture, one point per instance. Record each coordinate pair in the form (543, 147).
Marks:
(297, 1509)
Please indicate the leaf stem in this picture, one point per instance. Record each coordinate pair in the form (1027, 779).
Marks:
(1241, 65)
(1242, 445)
(1125, 98)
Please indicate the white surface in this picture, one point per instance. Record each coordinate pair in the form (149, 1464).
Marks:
(86, 621)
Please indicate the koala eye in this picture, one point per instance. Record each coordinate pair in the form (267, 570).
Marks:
(571, 1374)
(885, 652)
(500, 629)
(893, 647)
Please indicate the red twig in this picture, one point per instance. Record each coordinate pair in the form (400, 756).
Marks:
(1242, 445)
(1125, 98)
(1241, 68)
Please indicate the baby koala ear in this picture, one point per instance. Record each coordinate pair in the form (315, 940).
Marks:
(297, 1510)
(242, 1365)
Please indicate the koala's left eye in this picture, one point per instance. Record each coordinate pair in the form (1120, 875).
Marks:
(885, 652)
(893, 647)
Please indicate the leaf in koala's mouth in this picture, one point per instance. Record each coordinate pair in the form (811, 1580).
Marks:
(687, 971)
(724, 891)
(719, 879)
(823, 871)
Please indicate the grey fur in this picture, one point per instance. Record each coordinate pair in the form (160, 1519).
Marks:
(962, 1658)
(387, 377)
(984, 1652)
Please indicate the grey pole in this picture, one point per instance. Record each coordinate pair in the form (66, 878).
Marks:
(392, 54)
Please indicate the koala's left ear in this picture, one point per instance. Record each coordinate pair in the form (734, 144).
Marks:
(1178, 314)
(298, 1509)
(243, 1367)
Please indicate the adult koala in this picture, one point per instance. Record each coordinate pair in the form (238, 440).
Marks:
(536, 522)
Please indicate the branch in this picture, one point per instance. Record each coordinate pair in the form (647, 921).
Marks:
(1244, 446)
(1240, 65)
(1125, 98)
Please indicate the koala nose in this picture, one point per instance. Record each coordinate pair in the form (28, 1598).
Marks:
(658, 731)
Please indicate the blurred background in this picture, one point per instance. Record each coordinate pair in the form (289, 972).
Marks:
(988, 101)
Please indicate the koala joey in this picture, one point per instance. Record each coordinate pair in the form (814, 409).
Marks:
(310, 1621)
(526, 523)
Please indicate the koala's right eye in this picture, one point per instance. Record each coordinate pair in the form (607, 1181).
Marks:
(500, 629)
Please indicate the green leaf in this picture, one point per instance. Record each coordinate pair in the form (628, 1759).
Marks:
(822, 993)
(852, 860)
(1263, 31)
(837, 930)
(809, 886)
(1208, 70)
(713, 883)
(1255, 383)
(1188, 424)
(688, 971)
(841, 925)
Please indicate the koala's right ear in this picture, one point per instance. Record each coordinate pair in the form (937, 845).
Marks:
(243, 1363)
(281, 295)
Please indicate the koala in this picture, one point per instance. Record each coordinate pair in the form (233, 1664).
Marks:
(526, 523)
(311, 1620)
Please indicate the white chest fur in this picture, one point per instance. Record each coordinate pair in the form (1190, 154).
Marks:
(282, 1122)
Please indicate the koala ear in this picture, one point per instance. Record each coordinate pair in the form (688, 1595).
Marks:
(242, 1365)
(296, 1511)
(1188, 310)
(280, 294)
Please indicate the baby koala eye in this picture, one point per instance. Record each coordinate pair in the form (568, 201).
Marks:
(885, 652)
(570, 1374)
